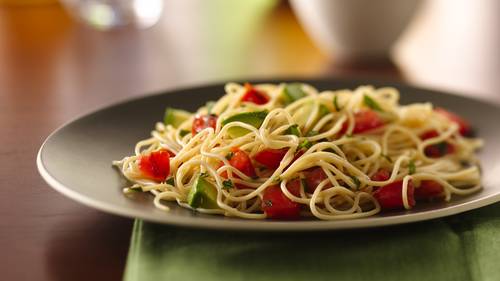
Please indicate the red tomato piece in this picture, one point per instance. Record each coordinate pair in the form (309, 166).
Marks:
(314, 176)
(463, 125)
(203, 121)
(254, 95)
(294, 187)
(155, 165)
(439, 149)
(364, 120)
(277, 206)
(390, 196)
(381, 175)
(271, 158)
(241, 161)
(429, 189)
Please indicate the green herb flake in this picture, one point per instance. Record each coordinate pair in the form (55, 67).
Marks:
(227, 184)
(229, 155)
(170, 181)
(371, 103)
(305, 144)
(356, 181)
(293, 130)
(336, 104)
(411, 167)
(204, 175)
(182, 133)
(303, 182)
(312, 133)
(387, 158)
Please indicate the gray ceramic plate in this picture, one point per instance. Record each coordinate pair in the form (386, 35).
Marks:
(76, 159)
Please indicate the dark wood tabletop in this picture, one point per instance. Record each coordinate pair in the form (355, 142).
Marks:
(53, 69)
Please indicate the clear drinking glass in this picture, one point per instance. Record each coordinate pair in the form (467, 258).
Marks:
(109, 14)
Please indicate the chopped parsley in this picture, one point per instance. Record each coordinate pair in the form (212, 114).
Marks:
(312, 133)
(356, 181)
(268, 203)
(371, 103)
(170, 181)
(227, 184)
(183, 132)
(411, 167)
(229, 155)
(386, 157)
(303, 182)
(293, 130)
(305, 144)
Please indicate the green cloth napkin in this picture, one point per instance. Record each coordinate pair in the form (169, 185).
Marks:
(461, 247)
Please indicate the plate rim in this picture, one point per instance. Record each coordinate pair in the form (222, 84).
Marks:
(259, 225)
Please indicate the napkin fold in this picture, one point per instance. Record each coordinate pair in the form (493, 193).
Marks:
(460, 247)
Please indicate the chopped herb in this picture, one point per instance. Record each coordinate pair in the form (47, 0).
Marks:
(170, 181)
(303, 182)
(293, 130)
(227, 184)
(386, 157)
(411, 167)
(268, 203)
(229, 155)
(210, 105)
(204, 175)
(336, 104)
(312, 133)
(305, 144)
(356, 181)
(371, 103)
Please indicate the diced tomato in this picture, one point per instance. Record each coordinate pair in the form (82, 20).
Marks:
(277, 206)
(381, 175)
(294, 187)
(155, 165)
(438, 149)
(203, 121)
(390, 196)
(241, 161)
(429, 189)
(365, 120)
(463, 125)
(271, 158)
(254, 95)
(314, 176)
(429, 134)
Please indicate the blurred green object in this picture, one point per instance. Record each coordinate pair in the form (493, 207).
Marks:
(109, 14)
(461, 247)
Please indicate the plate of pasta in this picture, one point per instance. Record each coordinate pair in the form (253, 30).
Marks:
(274, 155)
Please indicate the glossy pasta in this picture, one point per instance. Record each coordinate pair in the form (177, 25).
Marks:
(342, 142)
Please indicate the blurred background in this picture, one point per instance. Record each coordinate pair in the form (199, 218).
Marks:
(59, 59)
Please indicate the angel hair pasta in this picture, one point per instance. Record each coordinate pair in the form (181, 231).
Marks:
(288, 151)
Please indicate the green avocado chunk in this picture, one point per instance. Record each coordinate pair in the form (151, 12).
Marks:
(293, 92)
(254, 119)
(175, 117)
(203, 194)
(305, 111)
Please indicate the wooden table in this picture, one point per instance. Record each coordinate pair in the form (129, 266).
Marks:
(53, 69)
